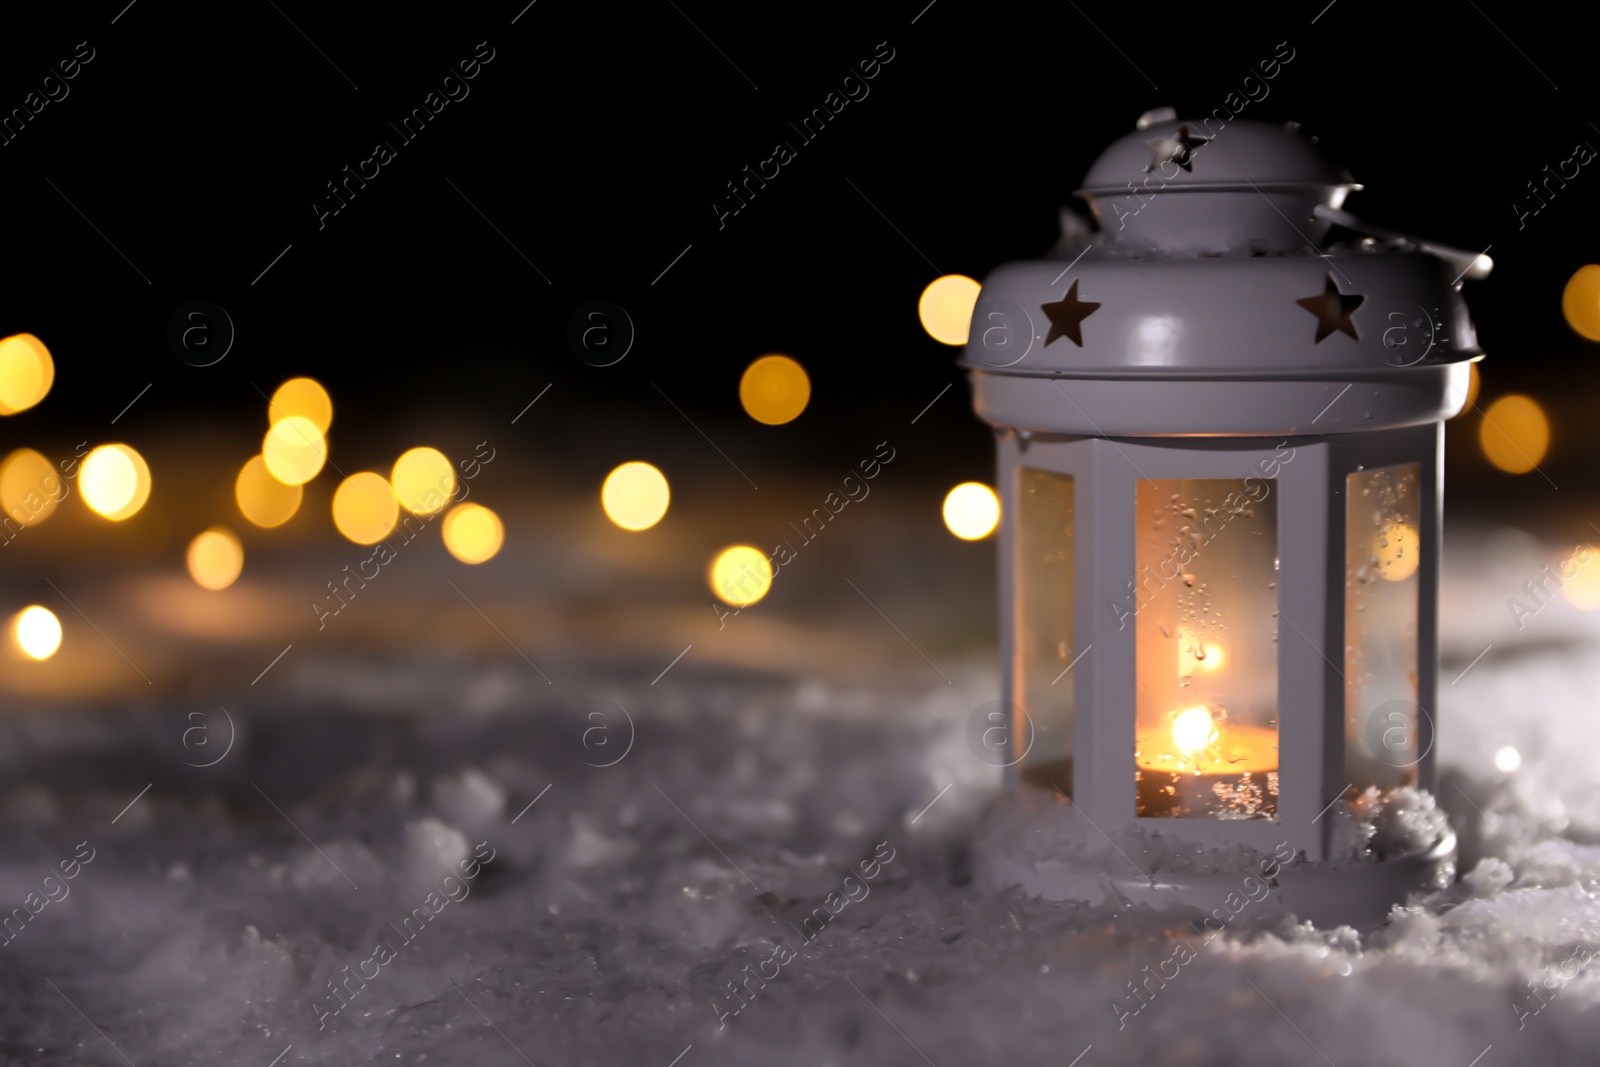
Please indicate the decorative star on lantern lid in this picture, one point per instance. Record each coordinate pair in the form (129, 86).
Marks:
(1175, 148)
(1213, 291)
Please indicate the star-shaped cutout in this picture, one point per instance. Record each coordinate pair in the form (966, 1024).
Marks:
(1175, 149)
(1065, 316)
(1332, 309)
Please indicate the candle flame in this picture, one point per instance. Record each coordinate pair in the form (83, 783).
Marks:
(1193, 730)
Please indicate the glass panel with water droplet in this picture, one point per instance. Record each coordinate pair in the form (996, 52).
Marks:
(1044, 628)
(1206, 657)
(1383, 548)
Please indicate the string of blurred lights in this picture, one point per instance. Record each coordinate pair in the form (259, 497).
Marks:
(1514, 436)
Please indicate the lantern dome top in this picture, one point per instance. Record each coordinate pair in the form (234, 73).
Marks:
(1210, 266)
(1209, 155)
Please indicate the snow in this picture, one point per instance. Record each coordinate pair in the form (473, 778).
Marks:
(655, 911)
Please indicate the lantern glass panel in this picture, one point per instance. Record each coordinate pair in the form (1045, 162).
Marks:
(1044, 627)
(1383, 551)
(1206, 655)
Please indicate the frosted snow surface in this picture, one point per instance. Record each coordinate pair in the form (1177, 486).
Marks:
(367, 879)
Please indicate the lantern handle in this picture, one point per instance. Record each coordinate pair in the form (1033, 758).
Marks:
(1474, 265)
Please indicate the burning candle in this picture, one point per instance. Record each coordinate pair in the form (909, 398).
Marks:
(1198, 764)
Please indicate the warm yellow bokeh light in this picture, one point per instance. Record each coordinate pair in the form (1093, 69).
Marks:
(302, 397)
(37, 632)
(29, 487)
(635, 496)
(215, 558)
(1582, 590)
(1398, 550)
(473, 533)
(1580, 301)
(263, 499)
(294, 450)
(1474, 382)
(971, 511)
(1195, 655)
(740, 576)
(423, 480)
(26, 372)
(1515, 433)
(774, 390)
(115, 481)
(1193, 730)
(364, 508)
(945, 308)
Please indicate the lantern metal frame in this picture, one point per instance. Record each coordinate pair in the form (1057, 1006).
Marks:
(1311, 533)
(1201, 366)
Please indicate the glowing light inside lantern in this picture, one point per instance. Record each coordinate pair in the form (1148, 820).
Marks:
(294, 450)
(1398, 550)
(1197, 655)
(1515, 433)
(423, 480)
(774, 390)
(1193, 730)
(263, 499)
(26, 372)
(215, 558)
(1580, 301)
(37, 632)
(1507, 759)
(115, 481)
(473, 533)
(635, 496)
(305, 398)
(971, 511)
(29, 487)
(364, 508)
(740, 575)
(945, 308)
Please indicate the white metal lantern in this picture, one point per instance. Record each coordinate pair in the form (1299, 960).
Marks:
(1219, 451)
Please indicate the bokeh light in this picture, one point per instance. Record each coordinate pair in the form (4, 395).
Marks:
(37, 632)
(263, 499)
(971, 511)
(635, 496)
(423, 480)
(305, 398)
(1398, 550)
(26, 372)
(473, 533)
(1507, 759)
(1474, 383)
(740, 575)
(1196, 655)
(215, 558)
(1515, 433)
(30, 489)
(1580, 302)
(364, 508)
(774, 390)
(945, 308)
(115, 481)
(294, 450)
(1582, 589)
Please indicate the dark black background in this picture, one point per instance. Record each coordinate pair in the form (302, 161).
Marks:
(596, 140)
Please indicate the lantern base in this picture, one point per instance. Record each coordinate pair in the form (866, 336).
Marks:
(1358, 894)
(1352, 894)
